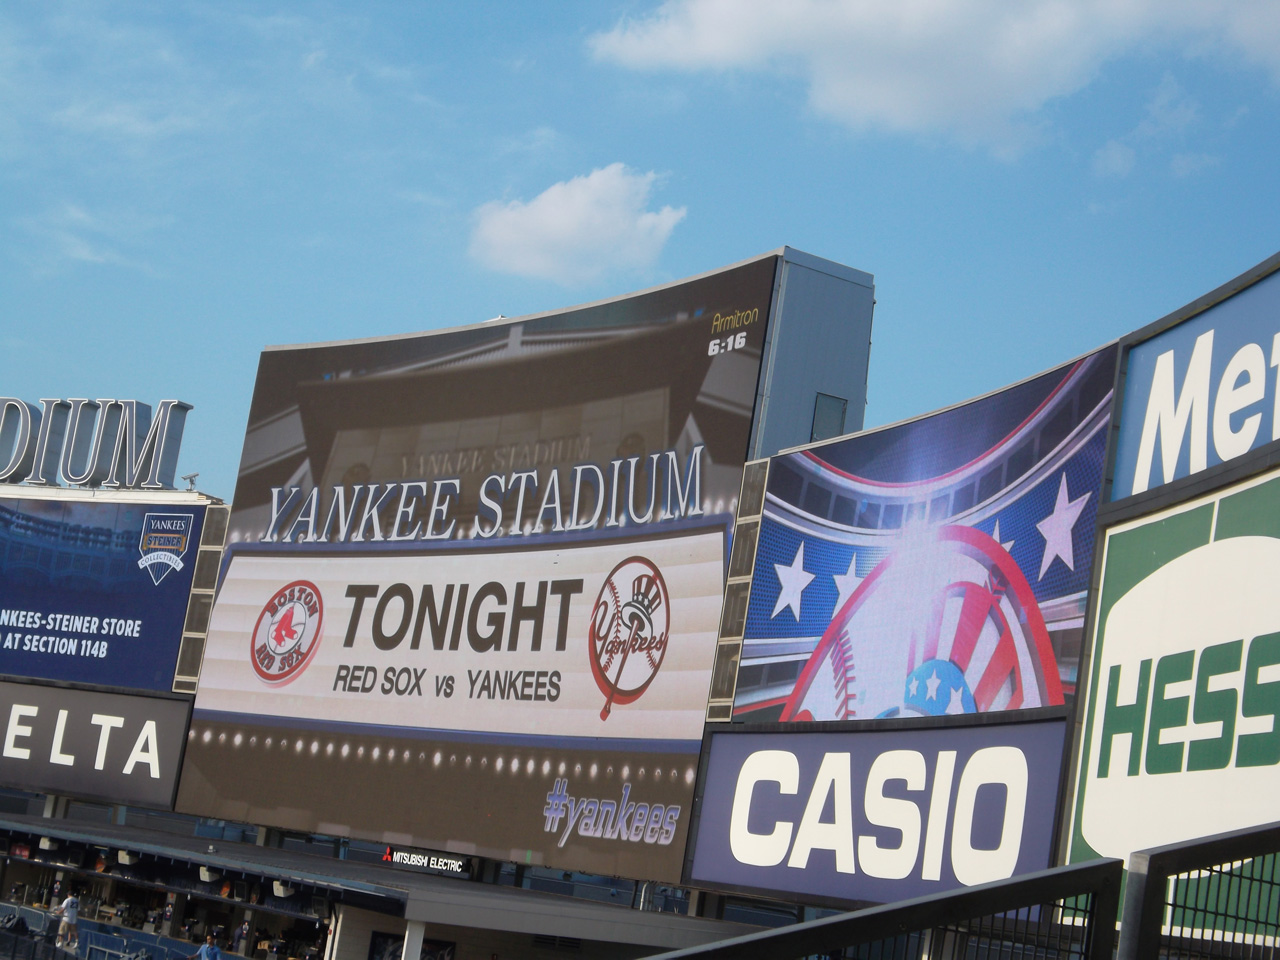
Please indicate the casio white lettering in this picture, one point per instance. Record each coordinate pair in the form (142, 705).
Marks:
(921, 823)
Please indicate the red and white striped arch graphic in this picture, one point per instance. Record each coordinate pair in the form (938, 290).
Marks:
(948, 593)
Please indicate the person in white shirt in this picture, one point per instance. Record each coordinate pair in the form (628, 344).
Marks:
(68, 930)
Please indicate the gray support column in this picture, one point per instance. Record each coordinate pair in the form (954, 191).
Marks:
(335, 932)
(413, 931)
(179, 911)
(246, 947)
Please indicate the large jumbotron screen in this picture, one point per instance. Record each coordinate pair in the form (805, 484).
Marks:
(474, 578)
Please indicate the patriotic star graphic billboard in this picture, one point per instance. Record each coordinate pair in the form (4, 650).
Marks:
(934, 567)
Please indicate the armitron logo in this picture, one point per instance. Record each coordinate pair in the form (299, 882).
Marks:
(287, 632)
(630, 624)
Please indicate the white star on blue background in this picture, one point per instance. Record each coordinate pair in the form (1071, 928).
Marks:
(793, 579)
(1057, 529)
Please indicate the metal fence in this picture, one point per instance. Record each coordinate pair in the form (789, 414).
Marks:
(35, 939)
(1067, 913)
(1218, 897)
(31, 945)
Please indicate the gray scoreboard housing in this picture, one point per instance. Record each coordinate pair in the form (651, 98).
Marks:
(813, 377)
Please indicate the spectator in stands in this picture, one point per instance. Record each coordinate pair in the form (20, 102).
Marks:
(68, 929)
(209, 951)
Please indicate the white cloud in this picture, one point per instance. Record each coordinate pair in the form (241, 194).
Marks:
(1237, 115)
(1169, 115)
(1113, 159)
(72, 232)
(128, 121)
(975, 70)
(1169, 111)
(536, 141)
(151, 115)
(578, 230)
(1186, 164)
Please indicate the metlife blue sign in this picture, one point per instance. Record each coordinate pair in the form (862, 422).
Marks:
(878, 815)
(1201, 393)
(95, 590)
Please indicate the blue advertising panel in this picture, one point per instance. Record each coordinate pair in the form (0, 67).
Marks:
(936, 567)
(878, 815)
(95, 590)
(1201, 393)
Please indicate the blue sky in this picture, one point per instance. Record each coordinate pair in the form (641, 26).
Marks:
(182, 184)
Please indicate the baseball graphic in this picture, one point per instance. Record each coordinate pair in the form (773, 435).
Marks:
(946, 624)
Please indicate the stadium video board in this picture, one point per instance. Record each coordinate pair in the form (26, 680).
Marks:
(1184, 688)
(473, 581)
(94, 590)
(935, 567)
(874, 815)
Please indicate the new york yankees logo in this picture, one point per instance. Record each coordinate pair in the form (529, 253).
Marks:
(630, 625)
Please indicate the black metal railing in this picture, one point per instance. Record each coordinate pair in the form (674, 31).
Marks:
(1218, 897)
(31, 945)
(1067, 913)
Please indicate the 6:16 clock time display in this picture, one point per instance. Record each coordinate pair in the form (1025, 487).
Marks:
(735, 341)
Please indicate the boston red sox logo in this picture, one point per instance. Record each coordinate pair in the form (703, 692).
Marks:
(630, 626)
(287, 632)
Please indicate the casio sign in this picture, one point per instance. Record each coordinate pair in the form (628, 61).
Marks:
(921, 825)
(878, 814)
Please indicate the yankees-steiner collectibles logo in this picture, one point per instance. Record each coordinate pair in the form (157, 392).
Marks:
(629, 636)
(287, 632)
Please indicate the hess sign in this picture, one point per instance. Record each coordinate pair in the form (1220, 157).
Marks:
(1184, 699)
(91, 443)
